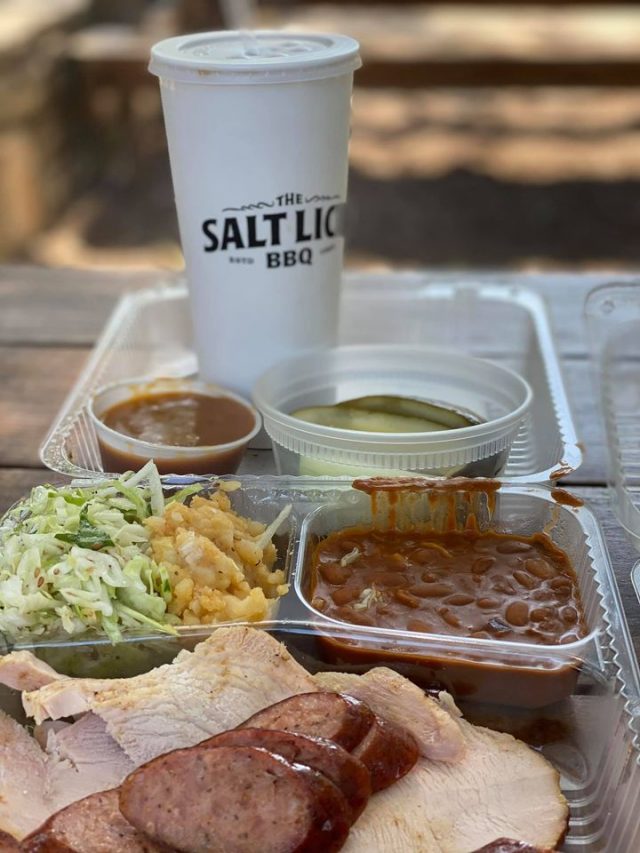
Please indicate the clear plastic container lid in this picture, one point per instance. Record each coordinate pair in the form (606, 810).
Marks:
(496, 395)
(613, 318)
(150, 334)
(261, 56)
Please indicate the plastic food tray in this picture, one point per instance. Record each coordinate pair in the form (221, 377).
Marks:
(149, 334)
(590, 735)
(613, 317)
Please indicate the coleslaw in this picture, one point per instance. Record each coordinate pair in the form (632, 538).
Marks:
(77, 558)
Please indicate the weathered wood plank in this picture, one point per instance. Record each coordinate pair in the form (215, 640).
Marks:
(518, 32)
(73, 305)
(60, 306)
(33, 384)
(16, 482)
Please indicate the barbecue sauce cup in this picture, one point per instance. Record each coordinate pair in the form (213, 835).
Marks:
(186, 426)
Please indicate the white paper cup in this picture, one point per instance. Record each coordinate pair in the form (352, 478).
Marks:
(258, 127)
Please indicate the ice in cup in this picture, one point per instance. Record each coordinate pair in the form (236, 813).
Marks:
(258, 127)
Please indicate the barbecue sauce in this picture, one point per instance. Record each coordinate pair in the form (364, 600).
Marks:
(178, 419)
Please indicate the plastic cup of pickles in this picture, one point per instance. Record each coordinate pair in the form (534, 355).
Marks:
(395, 410)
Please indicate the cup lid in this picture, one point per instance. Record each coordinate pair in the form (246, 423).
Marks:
(256, 56)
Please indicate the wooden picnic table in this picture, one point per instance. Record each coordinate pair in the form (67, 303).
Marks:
(49, 320)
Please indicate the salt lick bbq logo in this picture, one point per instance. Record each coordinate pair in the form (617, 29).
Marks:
(283, 228)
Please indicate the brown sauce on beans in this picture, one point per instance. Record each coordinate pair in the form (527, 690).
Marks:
(460, 583)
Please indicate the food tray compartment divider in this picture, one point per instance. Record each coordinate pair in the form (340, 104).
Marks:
(518, 509)
(149, 334)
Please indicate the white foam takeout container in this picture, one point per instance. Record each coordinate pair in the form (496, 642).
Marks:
(593, 727)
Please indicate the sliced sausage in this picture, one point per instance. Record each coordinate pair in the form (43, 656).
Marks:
(91, 825)
(346, 772)
(8, 843)
(234, 799)
(388, 752)
(342, 719)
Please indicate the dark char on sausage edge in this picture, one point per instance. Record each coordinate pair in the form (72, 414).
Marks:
(342, 768)
(388, 751)
(339, 718)
(94, 824)
(203, 800)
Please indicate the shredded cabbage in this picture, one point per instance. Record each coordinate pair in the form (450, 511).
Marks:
(77, 558)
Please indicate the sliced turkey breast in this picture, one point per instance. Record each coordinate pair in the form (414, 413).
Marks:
(22, 780)
(83, 759)
(501, 788)
(66, 697)
(24, 671)
(42, 732)
(227, 678)
(391, 696)
(230, 676)
(483, 785)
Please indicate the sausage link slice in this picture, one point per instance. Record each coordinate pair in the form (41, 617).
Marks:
(342, 768)
(342, 719)
(8, 843)
(234, 800)
(388, 752)
(91, 825)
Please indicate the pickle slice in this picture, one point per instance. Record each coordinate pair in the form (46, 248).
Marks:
(364, 420)
(442, 417)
